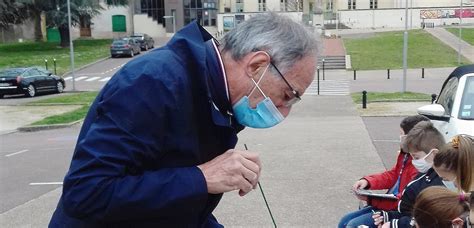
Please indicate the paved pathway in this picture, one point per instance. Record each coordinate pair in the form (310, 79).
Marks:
(333, 47)
(451, 40)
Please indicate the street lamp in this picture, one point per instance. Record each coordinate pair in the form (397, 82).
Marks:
(405, 49)
(71, 47)
(460, 33)
(174, 21)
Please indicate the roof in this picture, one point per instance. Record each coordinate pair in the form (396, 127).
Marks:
(461, 71)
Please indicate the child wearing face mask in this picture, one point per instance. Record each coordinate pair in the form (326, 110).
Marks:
(455, 165)
(441, 208)
(394, 179)
(422, 142)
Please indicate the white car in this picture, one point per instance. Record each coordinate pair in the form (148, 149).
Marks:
(453, 111)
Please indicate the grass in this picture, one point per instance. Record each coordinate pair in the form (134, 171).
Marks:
(67, 117)
(391, 97)
(85, 99)
(385, 51)
(467, 34)
(34, 53)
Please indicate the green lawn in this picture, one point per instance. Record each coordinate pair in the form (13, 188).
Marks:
(34, 53)
(467, 34)
(85, 98)
(385, 51)
(391, 97)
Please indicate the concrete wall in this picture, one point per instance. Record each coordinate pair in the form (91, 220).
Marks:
(391, 18)
(297, 16)
(102, 24)
(23, 31)
(384, 4)
(144, 24)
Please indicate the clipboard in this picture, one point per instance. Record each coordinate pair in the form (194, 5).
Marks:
(368, 193)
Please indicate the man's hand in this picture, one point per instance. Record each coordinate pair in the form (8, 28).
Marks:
(232, 170)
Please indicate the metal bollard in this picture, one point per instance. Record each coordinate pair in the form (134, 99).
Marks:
(318, 80)
(364, 99)
(324, 76)
(46, 63)
(54, 61)
(388, 73)
(355, 75)
(422, 72)
(433, 98)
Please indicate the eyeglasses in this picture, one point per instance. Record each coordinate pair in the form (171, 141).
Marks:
(296, 94)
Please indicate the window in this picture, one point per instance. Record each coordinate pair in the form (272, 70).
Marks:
(156, 8)
(329, 5)
(239, 6)
(351, 4)
(262, 5)
(204, 11)
(373, 4)
(446, 98)
(466, 110)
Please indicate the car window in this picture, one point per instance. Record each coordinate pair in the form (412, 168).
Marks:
(446, 98)
(29, 73)
(466, 110)
(11, 72)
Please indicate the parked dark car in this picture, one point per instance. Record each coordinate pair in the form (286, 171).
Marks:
(124, 46)
(29, 81)
(146, 42)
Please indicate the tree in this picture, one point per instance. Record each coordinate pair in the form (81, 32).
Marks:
(11, 12)
(57, 16)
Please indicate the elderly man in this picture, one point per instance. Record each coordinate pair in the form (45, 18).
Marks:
(157, 146)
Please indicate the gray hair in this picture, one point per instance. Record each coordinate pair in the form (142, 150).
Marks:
(285, 40)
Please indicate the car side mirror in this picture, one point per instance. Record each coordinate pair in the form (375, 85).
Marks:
(434, 112)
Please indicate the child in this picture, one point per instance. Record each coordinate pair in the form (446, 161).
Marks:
(455, 162)
(455, 165)
(422, 143)
(441, 208)
(394, 179)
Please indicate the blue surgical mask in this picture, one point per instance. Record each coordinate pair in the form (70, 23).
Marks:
(450, 185)
(265, 115)
(421, 164)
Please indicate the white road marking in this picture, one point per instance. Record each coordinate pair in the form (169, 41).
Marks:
(47, 183)
(92, 79)
(386, 140)
(19, 152)
(80, 78)
(104, 79)
(67, 78)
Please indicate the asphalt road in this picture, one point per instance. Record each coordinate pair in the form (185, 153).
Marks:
(31, 163)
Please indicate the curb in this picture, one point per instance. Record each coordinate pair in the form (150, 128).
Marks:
(47, 127)
(85, 66)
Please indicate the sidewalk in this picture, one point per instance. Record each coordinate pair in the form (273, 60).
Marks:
(451, 40)
(309, 163)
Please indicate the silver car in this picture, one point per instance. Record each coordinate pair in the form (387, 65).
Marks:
(125, 46)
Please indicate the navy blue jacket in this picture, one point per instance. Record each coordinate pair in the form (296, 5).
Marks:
(135, 160)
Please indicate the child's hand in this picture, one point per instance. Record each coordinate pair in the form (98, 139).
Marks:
(378, 219)
(363, 198)
(360, 184)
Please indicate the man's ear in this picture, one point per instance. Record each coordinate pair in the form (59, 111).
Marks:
(457, 222)
(256, 62)
(435, 151)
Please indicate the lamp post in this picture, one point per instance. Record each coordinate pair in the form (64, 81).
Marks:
(174, 21)
(460, 33)
(71, 48)
(405, 49)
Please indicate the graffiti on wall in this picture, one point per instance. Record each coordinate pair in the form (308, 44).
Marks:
(446, 13)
